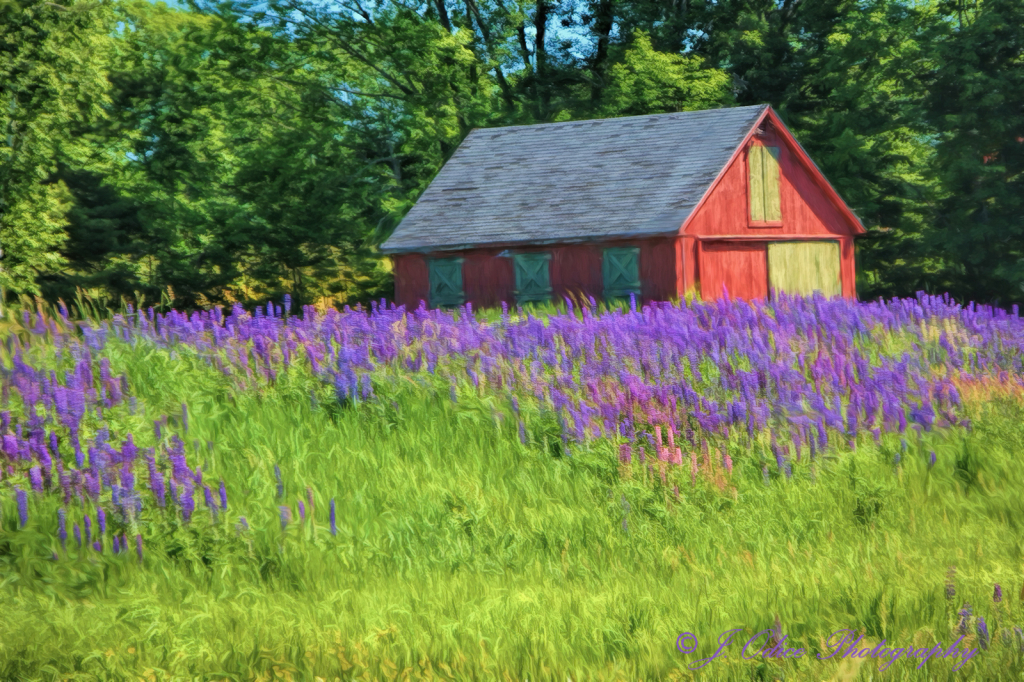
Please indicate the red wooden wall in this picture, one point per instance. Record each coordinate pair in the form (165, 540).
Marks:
(740, 267)
(575, 272)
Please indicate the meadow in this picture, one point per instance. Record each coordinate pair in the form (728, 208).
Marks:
(513, 495)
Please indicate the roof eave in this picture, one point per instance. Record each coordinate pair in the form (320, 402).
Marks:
(444, 248)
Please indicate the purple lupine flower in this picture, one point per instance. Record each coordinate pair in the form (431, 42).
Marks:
(997, 594)
(931, 459)
(88, 528)
(78, 536)
(302, 512)
(188, 503)
(62, 528)
(965, 618)
(98, 546)
(208, 497)
(156, 484)
(22, 500)
(334, 525)
(35, 477)
(243, 523)
(983, 636)
(223, 497)
(115, 546)
(280, 483)
(184, 417)
(101, 520)
(286, 516)
(138, 546)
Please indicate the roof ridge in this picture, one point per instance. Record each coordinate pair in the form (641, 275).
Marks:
(615, 118)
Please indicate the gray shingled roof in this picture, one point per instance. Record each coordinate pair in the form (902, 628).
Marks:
(573, 181)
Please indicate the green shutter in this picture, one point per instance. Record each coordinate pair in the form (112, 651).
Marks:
(804, 267)
(756, 165)
(765, 197)
(446, 282)
(772, 192)
(533, 277)
(621, 269)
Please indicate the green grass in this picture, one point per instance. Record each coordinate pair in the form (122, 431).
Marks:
(463, 554)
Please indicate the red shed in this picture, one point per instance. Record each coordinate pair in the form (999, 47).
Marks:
(722, 200)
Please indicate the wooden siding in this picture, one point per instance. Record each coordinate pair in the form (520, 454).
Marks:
(412, 280)
(658, 269)
(576, 273)
(488, 279)
(741, 268)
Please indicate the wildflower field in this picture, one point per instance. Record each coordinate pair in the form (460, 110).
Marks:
(554, 495)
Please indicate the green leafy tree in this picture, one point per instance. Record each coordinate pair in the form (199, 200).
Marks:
(53, 60)
(976, 102)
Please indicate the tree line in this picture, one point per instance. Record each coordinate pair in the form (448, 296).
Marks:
(241, 150)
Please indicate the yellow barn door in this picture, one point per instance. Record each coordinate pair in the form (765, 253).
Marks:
(804, 267)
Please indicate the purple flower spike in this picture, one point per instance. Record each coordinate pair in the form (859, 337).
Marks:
(280, 483)
(983, 636)
(22, 499)
(97, 546)
(116, 545)
(931, 459)
(88, 529)
(188, 503)
(334, 525)
(302, 512)
(997, 595)
(138, 546)
(184, 417)
(243, 523)
(965, 618)
(223, 497)
(101, 520)
(286, 516)
(35, 477)
(62, 527)
(78, 535)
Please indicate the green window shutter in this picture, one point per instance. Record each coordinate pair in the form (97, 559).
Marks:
(772, 192)
(765, 196)
(756, 165)
(446, 282)
(621, 269)
(804, 267)
(533, 276)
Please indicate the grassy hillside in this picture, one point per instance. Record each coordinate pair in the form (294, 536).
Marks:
(438, 497)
